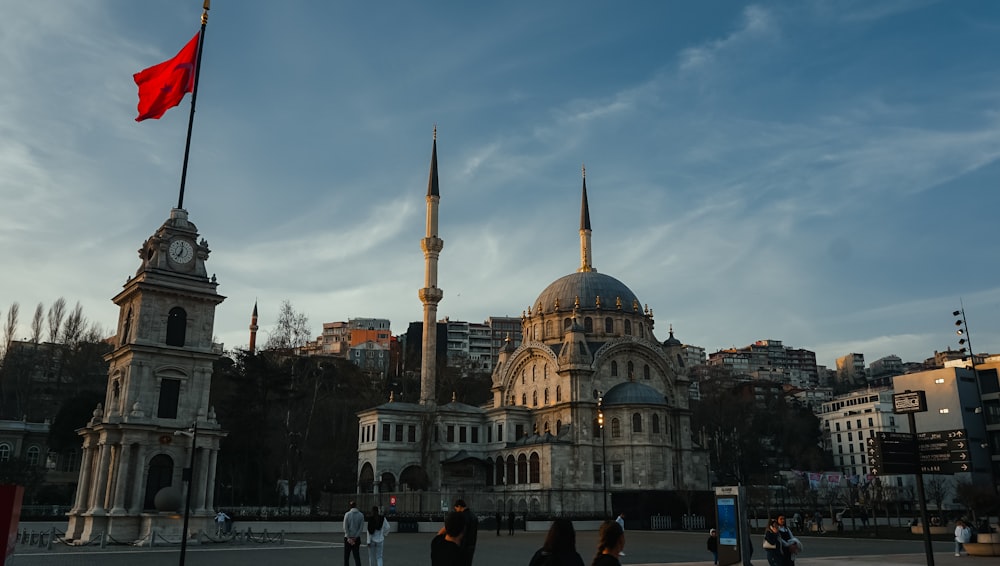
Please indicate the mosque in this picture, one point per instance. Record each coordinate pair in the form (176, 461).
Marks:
(591, 403)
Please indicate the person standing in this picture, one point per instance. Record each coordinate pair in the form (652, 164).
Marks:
(354, 525)
(499, 520)
(772, 544)
(963, 534)
(469, 532)
(378, 528)
(621, 520)
(788, 547)
(510, 523)
(713, 545)
(445, 547)
(610, 543)
(220, 523)
(559, 547)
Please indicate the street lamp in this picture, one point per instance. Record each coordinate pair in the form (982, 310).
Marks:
(604, 451)
(187, 477)
(966, 338)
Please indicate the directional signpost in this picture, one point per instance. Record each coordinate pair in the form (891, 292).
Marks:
(944, 452)
(893, 453)
(910, 403)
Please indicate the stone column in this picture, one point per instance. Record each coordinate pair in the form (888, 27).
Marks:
(139, 485)
(202, 483)
(120, 496)
(210, 487)
(83, 484)
(101, 485)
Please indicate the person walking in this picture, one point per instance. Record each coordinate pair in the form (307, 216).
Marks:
(354, 525)
(712, 544)
(963, 534)
(446, 547)
(559, 548)
(788, 548)
(621, 520)
(220, 523)
(610, 543)
(772, 544)
(378, 528)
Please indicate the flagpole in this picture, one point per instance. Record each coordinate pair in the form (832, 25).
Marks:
(194, 99)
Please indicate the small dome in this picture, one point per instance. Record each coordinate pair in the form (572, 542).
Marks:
(672, 341)
(587, 286)
(633, 393)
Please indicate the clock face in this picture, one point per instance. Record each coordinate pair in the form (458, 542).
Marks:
(181, 251)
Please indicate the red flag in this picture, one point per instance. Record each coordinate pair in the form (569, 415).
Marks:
(161, 87)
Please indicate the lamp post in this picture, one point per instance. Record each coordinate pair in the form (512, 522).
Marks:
(188, 477)
(604, 451)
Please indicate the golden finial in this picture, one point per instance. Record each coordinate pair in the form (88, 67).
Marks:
(618, 303)
(204, 15)
(557, 303)
(392, 396)
(576, 302)
(647, 308)
(598, 301)
(522, 312)
(454, 397)
(635, 305)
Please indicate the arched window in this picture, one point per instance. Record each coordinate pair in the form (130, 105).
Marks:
(628, 327)
(545, 371)
(616, 428)
(546, 396)
(33, 455)
(499, 471)
(645, 371)
(609, 325)
(511, 471)
(522, 469)
(656, 423)
(636, 422)
(534, 398)
(642, 330)
(545, 428)
(159, 475)
(558, 394)
(588, 324)
(558, 426)
(548, 329)
(176, 326)
(170, 391)
(523, 374)
(524, 399)
(4, 452)
(535, 468)
(567, 322)
(533, 373)
(614, 368)
(631, 370)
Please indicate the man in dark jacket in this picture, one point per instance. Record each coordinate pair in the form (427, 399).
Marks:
(470, 533)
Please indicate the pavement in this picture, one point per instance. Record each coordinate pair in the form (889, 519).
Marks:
(643, 548)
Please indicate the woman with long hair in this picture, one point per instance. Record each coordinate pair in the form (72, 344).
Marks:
(559, 547)
(610, 543)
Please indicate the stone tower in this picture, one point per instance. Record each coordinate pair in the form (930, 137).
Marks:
(137, 445)
(430, 294)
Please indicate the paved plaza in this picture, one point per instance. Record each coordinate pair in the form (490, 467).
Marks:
(643, 548)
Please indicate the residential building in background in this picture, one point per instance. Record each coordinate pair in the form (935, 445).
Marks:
(851, 369)
(770, 360)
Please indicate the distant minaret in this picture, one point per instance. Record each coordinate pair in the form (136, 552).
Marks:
(253, 329)
(430, 295)
(586, 261)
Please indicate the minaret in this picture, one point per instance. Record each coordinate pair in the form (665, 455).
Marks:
(253, 329)
(586, 261)
(430, 295)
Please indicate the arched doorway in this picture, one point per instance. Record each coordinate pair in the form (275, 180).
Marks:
(159, 476)
(366, 478)
(414, 478)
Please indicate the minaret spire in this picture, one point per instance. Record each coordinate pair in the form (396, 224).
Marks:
(430, 294)
(253, 329)
(586, 261)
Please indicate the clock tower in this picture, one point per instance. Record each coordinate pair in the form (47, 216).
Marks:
(140, 441)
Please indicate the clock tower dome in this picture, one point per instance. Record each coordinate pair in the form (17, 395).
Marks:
(139, 443)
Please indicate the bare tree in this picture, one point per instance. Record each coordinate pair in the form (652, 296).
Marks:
(56, 313)
(291, 331)
(937, 490)
(36, 324)
(75, 325)
(10, 328)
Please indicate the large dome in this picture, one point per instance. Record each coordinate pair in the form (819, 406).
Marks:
(633, 393)
(587, 285)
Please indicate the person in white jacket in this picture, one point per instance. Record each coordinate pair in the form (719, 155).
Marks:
(378, 528)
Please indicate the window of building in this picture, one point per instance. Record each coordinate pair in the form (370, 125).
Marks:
(33, 455)
(628, 327)
(636, 422)
(645, 371)
(871, 421)
(511, 470)
(176, 327)
(519, 430)
(614, 368)
(474, 431)
(411, 433)
(524, 399)
(5, 452)
(609, 325)
(558, 394)
(546, 398)
(598, 475)
(656, 423)
(462, 435)
(859, 423)
(170, 391)
(534, 398)
(522, 469)
(451, 433)
(848, 425)
(500, 432)
(850, 436)
(588, 324)
(385, 432)
(534, 468)
(548, 328)
(837, 425)
(617, 475)
(840, 449)
(558, 426)
(399, 433)
(839, 438)
(567, 322)
(616, 429)
(631, 371)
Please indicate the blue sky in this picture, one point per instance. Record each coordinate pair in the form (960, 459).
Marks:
(822, 173)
